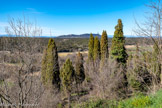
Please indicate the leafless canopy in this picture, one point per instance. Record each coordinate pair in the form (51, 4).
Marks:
(23, 87)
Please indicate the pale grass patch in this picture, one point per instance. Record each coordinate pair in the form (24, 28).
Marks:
(64, 54)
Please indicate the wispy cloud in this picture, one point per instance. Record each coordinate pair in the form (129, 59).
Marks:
(46, 31)
(3, 24)
(2, 27)
(33, 11)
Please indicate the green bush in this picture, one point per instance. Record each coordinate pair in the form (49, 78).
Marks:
(139, 101)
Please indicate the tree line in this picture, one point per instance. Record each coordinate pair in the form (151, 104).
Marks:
(98, 52)
(64, 78)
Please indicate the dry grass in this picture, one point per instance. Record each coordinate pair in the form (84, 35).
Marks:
(130, 46)
(64, 54)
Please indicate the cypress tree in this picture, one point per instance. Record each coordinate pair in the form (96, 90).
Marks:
(50, 65)
(67, 75)
(118, 51)
(67, 78)
(104, 46)
(97, 53)
(90, 47)
(79, 69)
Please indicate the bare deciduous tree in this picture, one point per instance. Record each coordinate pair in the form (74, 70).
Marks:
(26, 89)
(151, 28)
(106, 81)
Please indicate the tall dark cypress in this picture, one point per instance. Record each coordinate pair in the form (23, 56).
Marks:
(51, 65)
(67, 78)
(118, 51)
(97, 52)
(104, 46)
(79, 69)
(90, 47)
(67, 75)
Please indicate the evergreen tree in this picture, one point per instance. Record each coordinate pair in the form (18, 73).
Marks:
(104, 46)
(79, 69)
(118, 51)
(67, 75)
(67, 78)
(90, 47)
(50, 65)
(97, 53)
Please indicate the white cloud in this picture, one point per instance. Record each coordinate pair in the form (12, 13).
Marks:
(46, 31)
(33, 11)
(2, 27)
(3, 24)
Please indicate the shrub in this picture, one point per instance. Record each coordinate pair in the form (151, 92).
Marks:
(136, 102)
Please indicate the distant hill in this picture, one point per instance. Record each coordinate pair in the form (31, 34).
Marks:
(78, 36)
(87, 36)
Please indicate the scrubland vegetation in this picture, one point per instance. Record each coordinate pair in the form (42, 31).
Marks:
(33, 72)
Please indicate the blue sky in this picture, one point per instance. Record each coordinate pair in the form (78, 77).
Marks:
(63, 17)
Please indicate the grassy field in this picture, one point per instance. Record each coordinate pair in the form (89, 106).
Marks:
(139, 101)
